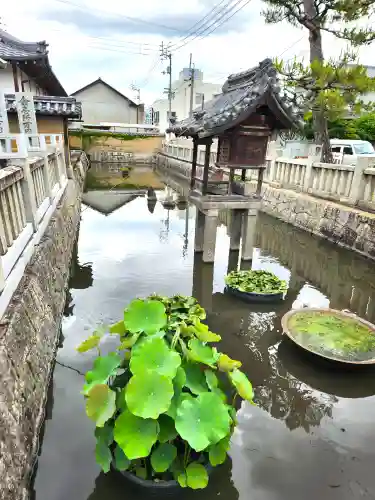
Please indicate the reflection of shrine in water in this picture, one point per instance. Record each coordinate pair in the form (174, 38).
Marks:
(291, 386)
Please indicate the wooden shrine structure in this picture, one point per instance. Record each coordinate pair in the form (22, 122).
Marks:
(250, 108)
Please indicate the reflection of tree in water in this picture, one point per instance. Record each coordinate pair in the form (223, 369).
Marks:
(80, 278)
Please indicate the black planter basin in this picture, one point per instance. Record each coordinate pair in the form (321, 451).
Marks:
(160, 488)
(255, 297)
(157, 488)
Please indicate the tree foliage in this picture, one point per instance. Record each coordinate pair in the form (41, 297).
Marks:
(332, 88)
(340, 128)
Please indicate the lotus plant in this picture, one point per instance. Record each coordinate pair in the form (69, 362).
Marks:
(158, 401)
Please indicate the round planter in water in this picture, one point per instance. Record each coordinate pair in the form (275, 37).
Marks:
(255, 297)
(160, 488)
(156, 488)
(335, 335)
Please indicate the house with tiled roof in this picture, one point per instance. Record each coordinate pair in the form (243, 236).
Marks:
(102, 103)
(25, 67)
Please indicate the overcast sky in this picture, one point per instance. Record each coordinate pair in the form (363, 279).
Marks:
(92, 38)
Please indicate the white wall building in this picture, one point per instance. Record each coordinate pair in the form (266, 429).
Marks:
(103, 103)
(203, 91)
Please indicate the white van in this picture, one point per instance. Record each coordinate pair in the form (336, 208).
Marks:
(346, 151)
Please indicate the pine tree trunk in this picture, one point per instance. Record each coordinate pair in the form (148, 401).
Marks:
(320, 124)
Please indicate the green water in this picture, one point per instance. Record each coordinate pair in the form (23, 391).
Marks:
(332, 335)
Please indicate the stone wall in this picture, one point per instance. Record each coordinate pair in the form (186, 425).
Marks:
(110, 149)
(345, 226)
(29, 333)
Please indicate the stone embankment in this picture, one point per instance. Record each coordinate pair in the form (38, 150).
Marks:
(29, 333)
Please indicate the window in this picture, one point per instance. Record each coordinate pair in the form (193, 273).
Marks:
(336, 149)
(199, 98)
(348, 150)
(156, 118)
(366, 148)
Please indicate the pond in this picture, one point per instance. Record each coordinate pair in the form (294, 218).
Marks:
(311, 434)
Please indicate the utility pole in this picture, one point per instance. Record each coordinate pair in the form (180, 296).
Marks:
(165, 53)
(192, 80)
(138, 92)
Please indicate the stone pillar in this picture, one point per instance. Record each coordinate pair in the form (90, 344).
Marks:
(233, 260)
(235, 229)
(199, 231)
(203, 278)
(209, 238)
(357, 188)
(315, 155)
(248, 234)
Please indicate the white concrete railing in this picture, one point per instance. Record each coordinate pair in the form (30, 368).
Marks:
(351, 184)
(30, 189)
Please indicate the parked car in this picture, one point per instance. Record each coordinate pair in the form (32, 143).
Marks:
(346, 151)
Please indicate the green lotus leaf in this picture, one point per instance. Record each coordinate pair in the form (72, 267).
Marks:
(135, 436)
(196, 476)
(129, 342)
(149, 394)
(104, 434)
(141, 472)
(90, 343)
(100, 404)
(145, 316)
(104, 367)
(180, 379)
(163, 456)
(177, 399)
(156, 357)
(218, 452)
(203, 333)
(118, 328)
(226, 364)
(121, 460)
(203, 421)
(202, 353)
(198, 312)
(103, 456)
(167, 429)
(211, 379)
(195, 378)
(182, 480)
(242, 384)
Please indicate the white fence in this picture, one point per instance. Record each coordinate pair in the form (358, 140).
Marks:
(30, 188)
(350, 184)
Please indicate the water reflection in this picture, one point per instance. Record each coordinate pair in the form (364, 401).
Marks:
(80, 278)
(312, 433)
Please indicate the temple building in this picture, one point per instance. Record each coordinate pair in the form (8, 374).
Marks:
(25, 67)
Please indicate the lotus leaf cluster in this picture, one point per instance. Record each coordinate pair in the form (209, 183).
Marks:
(260, 282)
(158, 401)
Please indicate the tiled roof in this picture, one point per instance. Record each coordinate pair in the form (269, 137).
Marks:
(13, 49)
(50, 106)
(242, 93)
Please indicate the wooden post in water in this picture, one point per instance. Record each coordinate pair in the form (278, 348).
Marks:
(206, 166)
(194, 163)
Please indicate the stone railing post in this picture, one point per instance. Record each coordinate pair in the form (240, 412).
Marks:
(275, 154)
(357, 188)
(315, 155)
(47, 178)
(28, 193)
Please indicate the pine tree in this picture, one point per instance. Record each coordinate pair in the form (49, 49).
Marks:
(330, 88)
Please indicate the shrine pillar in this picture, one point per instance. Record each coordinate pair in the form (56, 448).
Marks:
(248, 234)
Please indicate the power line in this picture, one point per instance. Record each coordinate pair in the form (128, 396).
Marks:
(226, 19)
(208, 17)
